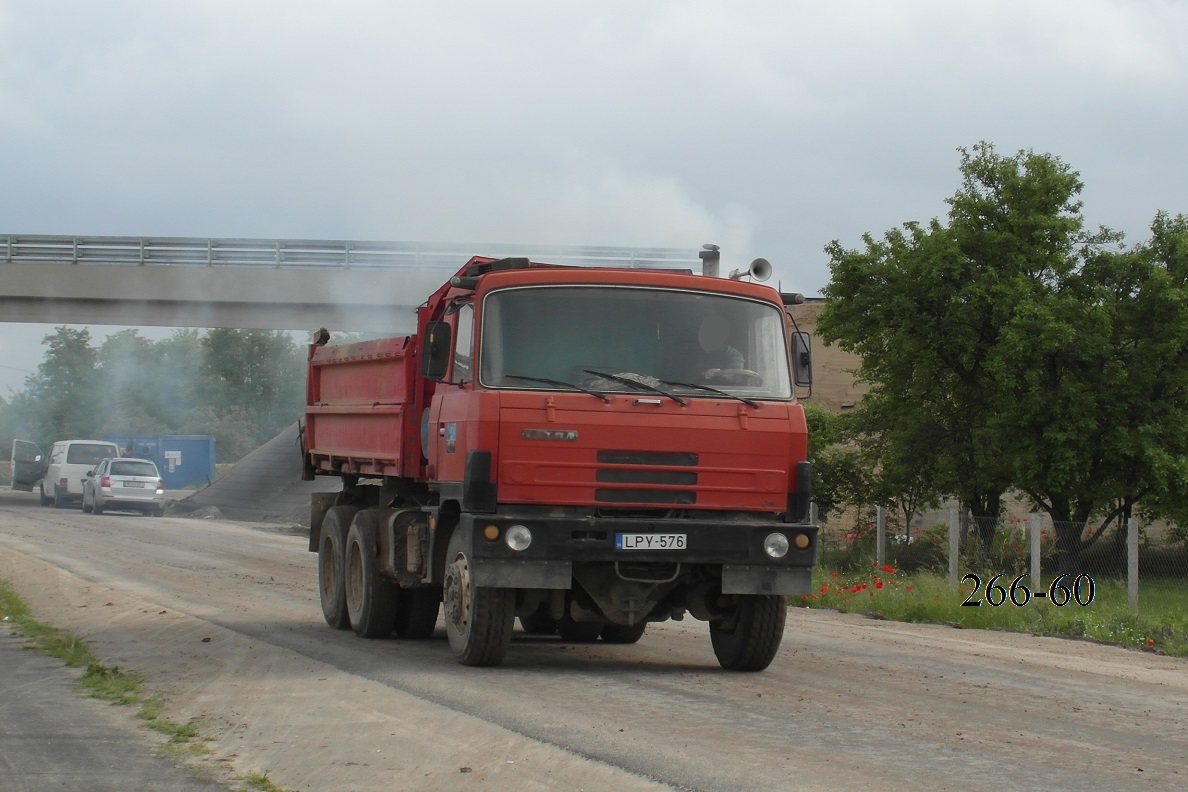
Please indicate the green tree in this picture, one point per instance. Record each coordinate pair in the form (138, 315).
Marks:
(901, 460)
(232, 428)
(57, 398)
(1158, 374)
(178, 373)
(129, 380)
(1100, 374)
(839, 476)
(262, 372)
(926, 307)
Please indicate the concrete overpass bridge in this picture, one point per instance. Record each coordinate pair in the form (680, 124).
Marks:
(265, 284)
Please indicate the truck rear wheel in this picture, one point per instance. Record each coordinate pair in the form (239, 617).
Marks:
(478, 621)
(331, 563)
(623, 633)
(370, 597)
(748, 639)
(416, 612)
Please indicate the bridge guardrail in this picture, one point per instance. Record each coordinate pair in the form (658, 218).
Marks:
(312, 253)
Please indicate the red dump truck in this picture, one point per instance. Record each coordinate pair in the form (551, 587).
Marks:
(585, 449)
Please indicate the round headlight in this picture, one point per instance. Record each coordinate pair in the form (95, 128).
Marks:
(776, 545)
(518, 537)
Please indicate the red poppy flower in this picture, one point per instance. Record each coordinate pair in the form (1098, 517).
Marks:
(890, 570)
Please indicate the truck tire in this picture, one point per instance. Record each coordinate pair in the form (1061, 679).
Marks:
(578, 632)
(416, 612)
(750, 638)
(331, 563)
(623, 633)
(59, 499)
(44, 499)
(478, 621)
(370, 597)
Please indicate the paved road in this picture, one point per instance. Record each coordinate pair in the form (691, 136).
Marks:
(224, 618)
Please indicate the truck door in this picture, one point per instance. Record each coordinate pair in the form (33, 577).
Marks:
(28, 466)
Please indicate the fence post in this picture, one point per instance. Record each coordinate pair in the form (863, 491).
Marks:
(1034, 521)
(1132, 569)
(880, 535)
(954, 546)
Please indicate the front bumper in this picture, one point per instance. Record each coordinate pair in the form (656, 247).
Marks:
(735, 547)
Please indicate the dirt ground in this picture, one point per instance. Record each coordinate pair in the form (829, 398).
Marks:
(222, 618)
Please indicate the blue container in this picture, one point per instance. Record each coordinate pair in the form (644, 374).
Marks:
(184, 460)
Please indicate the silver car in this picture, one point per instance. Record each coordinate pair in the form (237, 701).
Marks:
(124, 484)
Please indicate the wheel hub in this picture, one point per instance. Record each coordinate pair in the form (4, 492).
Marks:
(456, 593)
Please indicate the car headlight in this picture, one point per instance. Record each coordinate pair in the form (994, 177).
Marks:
(776, 545)
(518, 537)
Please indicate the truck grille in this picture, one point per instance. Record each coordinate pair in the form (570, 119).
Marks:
(655, 467)
(670, 458)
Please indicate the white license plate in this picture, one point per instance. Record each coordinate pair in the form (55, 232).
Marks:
(636, 541)
(134, 484)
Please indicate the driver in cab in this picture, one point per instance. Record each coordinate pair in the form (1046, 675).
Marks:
(711, 355)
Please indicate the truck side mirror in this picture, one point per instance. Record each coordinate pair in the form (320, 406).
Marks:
(802, 359)
(435, 351)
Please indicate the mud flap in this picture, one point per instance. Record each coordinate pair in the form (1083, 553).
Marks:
(747, 579)
(497, 573)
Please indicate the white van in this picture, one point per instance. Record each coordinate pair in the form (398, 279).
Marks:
(60, 475)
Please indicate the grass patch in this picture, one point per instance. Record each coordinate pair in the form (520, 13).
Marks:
(260, 781)
(1160, 623)
(110, 683)
(107, 683)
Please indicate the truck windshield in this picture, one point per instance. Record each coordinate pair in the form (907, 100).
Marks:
(679, 342)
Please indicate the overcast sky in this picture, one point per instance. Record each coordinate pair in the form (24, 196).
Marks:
(769, 128)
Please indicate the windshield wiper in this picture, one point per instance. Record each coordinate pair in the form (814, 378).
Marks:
(637, 384)
(559, 383)
(743, 399)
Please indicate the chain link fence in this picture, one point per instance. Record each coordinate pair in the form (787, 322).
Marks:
(1021, 557)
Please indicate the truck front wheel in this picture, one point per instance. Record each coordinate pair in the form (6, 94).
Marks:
(478, 621)
(749, 637)
(370, 597)
(331, 563)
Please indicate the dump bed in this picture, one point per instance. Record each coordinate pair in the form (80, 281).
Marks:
(360, 414)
